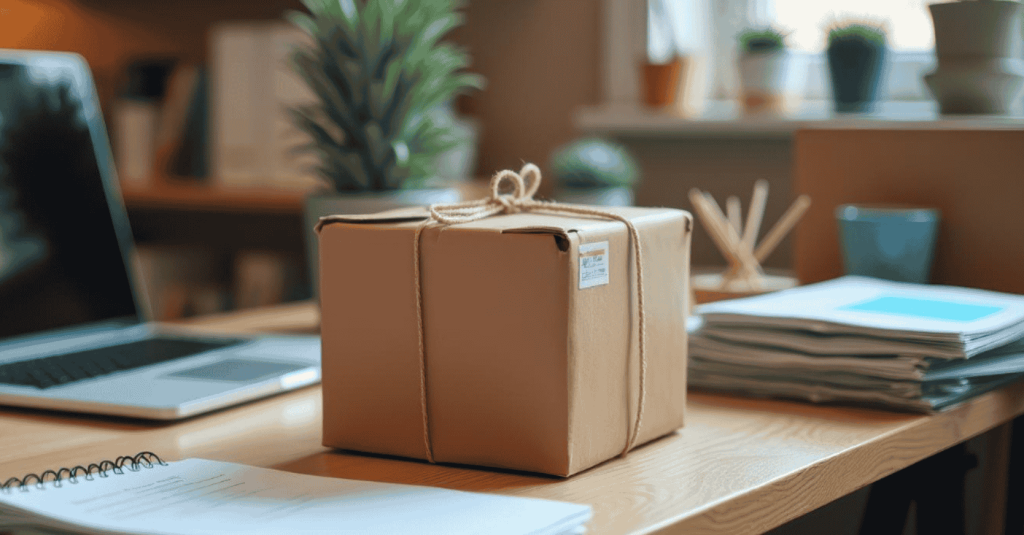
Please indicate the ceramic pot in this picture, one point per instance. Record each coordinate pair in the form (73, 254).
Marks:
(661, 83)
(887, 242)
(319, 205)
(768, 81)
(615, 196)
(856, 73)
(977, 47)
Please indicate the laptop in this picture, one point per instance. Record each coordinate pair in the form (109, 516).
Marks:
(73, 333)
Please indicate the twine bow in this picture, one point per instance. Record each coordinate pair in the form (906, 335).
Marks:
(524, 186)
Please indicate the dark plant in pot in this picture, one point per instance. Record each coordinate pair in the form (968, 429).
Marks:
(594, 171)
(382, 76)
(856, 59)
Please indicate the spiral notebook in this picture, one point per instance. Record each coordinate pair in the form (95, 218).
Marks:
(143, 495)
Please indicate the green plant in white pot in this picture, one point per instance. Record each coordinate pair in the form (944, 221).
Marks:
(382, 77)
(594, 171)
(767, 71)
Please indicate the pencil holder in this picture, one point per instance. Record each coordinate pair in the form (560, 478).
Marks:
(893, 243)
(738, 242)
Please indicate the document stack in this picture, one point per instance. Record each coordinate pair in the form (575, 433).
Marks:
(863, 341)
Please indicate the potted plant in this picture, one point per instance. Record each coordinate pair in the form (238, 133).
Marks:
(978, 68)
(662, 71)
(856, 55)
(382, 77)
(594, 171)
(765, 70)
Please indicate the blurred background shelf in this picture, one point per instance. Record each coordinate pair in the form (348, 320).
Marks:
(725, 119)
(184, 196)
(205, 247)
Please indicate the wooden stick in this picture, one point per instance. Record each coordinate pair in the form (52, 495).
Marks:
(711, 224)
(717, 229)
(744, 268)
(754, 218)
(721, 223)
(782, 227)
(750, 268)
(732, 207)
(756, 214)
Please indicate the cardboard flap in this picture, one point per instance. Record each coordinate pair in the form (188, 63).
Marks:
(398, 215)
(543, 222)
(534, 222)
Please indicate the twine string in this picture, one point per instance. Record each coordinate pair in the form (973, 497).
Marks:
(524, 186)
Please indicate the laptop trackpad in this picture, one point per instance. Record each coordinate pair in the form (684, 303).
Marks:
(237, 370)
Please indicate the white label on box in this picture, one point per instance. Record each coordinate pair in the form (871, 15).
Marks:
(593, 264)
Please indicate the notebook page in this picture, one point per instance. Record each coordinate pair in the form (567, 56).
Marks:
(197, 496)
(881, 305)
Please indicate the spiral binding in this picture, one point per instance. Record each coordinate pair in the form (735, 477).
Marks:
(133, 463)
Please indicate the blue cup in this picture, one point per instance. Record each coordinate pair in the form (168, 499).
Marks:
(885, 242)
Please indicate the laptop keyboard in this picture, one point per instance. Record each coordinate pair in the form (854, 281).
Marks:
(60, 370)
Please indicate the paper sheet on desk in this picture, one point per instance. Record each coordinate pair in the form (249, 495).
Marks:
(197, 496)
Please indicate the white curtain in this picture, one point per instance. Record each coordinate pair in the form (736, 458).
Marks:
(707, 29)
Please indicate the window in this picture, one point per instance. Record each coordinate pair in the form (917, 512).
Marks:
(709, 28)
(908, 22)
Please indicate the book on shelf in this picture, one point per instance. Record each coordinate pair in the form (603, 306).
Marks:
(163, 134)
(862, 340)
(134, 138)
(252, 87)
(290, 169)
(173, 113)
(182, 140)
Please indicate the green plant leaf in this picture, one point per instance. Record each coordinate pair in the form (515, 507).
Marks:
(302, 21)
(593, 162)
(378, 69)
(333, 103)
(762, 40)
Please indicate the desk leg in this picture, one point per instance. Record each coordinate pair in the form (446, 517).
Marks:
(1015, 492)
(996, 480)
(888, 505)
(935, 484)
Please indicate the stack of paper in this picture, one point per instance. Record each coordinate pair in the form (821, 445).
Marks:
(861, 340)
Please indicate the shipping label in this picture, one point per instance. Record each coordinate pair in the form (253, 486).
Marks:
(593, 264)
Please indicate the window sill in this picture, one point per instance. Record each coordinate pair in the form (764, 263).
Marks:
(724, 119)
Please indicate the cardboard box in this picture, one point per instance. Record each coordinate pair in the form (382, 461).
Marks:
(530, 328)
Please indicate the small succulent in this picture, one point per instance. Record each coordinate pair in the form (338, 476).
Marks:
(762, 41)
(379, 70)
(593, 163)
(865, 33)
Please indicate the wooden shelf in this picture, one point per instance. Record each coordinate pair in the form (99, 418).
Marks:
(174, 195)
(209, 198)
(723, 119)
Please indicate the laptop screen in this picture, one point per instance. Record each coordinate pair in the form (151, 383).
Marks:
(61, 241)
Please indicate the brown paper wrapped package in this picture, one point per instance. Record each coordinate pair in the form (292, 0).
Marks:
(527, 366)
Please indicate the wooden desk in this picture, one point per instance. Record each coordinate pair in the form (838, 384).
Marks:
(739, 466)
